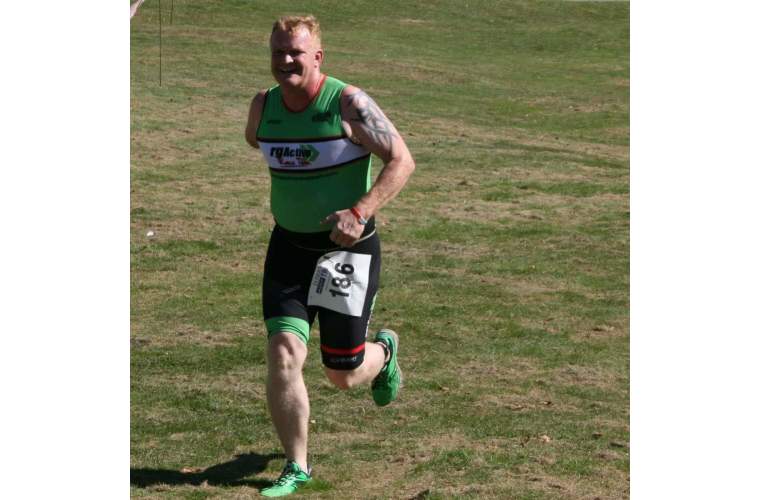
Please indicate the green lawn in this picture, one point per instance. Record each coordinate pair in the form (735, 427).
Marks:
(506, 257)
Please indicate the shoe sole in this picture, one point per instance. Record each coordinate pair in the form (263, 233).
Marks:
(398, 366)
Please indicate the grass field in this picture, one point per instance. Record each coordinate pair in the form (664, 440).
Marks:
(505, 260)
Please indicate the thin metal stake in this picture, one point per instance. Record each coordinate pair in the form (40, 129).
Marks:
(171, 14)
(160, 48)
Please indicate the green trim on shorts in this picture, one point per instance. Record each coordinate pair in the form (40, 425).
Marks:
(296, 326)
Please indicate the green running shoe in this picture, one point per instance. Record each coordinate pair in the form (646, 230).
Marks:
(291, 478)
(386, 385)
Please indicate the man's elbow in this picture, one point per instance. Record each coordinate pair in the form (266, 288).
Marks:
(400, 163)
(410, 165)
(251, 139)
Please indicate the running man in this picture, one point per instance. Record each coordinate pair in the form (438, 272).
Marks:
(316, 134)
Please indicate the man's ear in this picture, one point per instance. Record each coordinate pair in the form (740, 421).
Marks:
(319, 57)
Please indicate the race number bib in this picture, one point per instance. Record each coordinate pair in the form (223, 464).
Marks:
(340, 282)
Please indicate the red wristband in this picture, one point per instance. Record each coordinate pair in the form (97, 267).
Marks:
(358, 216)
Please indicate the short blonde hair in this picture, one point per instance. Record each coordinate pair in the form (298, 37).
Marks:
(294, 23)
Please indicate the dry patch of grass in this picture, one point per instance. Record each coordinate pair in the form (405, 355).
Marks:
(246, 383)
(413, 22)
(187, 333)
(436, 128)
(605, 331)
(568, 211)
(594, 105)
(585, 376)
(466, 209)
(535, 400)
(614, 485)
(572, 171)
(499, 373)
(412, 71)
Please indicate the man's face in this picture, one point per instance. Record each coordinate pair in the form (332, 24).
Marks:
(295, 58)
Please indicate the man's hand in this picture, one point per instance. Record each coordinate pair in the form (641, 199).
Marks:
(346, 228)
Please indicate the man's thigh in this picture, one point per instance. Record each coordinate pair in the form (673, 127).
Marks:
(287, 275)
(342, 336)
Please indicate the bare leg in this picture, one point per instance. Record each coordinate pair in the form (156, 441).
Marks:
(374, 359)
(286, 395)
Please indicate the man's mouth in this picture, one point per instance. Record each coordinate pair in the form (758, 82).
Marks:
(288, 71)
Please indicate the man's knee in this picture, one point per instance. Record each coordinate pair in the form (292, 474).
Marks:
(286, 352)
(344, 379)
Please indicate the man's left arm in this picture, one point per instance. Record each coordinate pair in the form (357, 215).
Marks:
(366, 124)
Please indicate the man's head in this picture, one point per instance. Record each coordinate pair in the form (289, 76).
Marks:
(296, 51)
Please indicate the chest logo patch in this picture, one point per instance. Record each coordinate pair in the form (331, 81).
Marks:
(297, 156)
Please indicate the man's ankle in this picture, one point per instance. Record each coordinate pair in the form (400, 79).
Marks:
(303, 465)
(386, 351)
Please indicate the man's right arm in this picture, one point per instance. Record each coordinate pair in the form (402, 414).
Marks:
(254, 117)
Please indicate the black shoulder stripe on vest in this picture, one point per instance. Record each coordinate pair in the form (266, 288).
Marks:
(307, 139)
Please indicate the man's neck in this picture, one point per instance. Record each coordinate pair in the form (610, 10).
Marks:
(297, 99)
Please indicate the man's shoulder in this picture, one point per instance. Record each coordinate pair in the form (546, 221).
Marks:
(258, 101)
(254, 117)
(350, 90)
(348, 97)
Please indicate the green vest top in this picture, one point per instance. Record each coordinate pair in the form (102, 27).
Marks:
(315, 168)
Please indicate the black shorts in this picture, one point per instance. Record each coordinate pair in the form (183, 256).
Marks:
(289, 270)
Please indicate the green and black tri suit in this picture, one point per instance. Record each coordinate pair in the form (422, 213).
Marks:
(315, 170)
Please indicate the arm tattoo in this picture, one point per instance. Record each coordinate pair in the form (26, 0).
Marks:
(374, 122)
